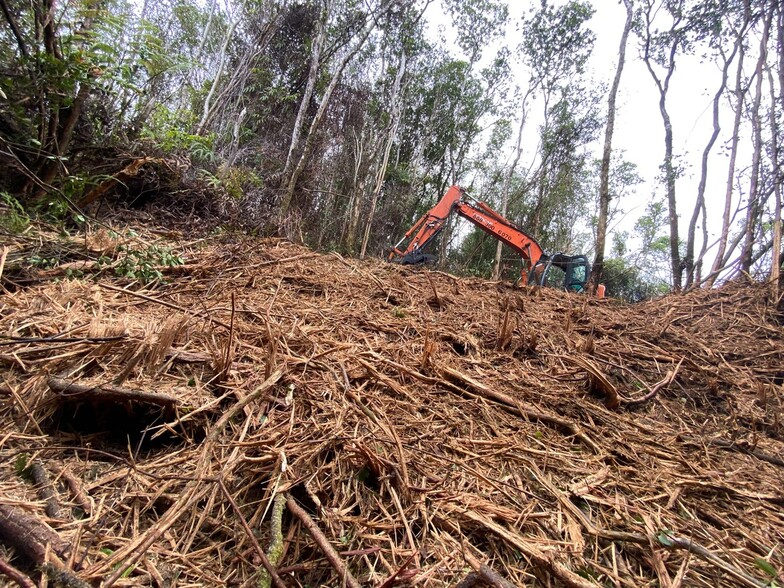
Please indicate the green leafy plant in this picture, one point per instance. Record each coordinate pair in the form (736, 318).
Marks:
(168, 130)
(144, 264)
(22, 466)
(664, 537)
(53, 208)
(13, 217)
(41, 262)
(766, 567)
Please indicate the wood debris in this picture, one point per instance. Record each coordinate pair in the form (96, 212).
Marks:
(424, 430)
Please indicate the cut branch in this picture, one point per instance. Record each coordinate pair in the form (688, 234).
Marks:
(39, 543)
(46, 489)
(323, 543)
(73, 391)
(15, 575)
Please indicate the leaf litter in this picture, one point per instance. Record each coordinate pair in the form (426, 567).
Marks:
(422, 429)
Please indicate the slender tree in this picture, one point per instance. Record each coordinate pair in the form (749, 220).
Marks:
(358, 42)
(556, 46)
(740, 89)
(777, 105)
(706, 22)
(604, 172)
(775, 149)
(394, 122)
(660, 50)
(755, 203)
(304, 104)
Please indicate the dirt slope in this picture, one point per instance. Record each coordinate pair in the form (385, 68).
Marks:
(433, 431)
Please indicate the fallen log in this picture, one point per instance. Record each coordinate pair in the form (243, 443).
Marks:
(73, 391)
(46, 489)
(29, 535)
(38, 542)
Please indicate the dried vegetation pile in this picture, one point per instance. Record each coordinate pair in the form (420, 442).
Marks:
(364, 424)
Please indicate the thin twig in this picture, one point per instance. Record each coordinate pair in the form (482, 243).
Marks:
(15, 575)
(276, 580)
(323, 543)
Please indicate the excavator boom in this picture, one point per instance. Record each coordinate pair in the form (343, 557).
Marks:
(426, 229)
(536, 265)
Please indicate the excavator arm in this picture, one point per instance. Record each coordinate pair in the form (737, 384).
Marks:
(572, 271)
(494, 224)
(456, 201)
(425, 230)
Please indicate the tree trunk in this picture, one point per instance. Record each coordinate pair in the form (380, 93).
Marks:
(754, 209)
(775, 260)
(397, 109)
(604, 173)
(14, 28)
(722, 254)
(57, 122)
(699, 205)
(508, 180)
(291, 182)
(206, 32)
(307, 95)
(366, 148)
(221, 63)
(669, 168)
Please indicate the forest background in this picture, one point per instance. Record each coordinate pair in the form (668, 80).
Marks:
(338, 122)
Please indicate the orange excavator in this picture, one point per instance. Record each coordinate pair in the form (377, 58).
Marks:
(568, 272)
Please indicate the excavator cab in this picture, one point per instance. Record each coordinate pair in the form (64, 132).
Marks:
(565, 272)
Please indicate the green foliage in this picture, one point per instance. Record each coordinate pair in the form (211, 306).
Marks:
(626, 281)
(619, 246)
(53, 208)
(143, 264)
(169, 130)
(478, 22)
(236, 180)
(22, 466)
(42, 262)
(555, 42)
(764, 565)
(665, 537)
(13, 217)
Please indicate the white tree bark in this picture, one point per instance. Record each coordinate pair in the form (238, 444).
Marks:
(755, 197)
(394, 123)
(724, 252)
(296, 171)
(310, 85)
(508, 179)
(221, 64)
(775, 274)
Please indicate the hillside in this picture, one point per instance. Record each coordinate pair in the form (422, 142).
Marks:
(419, 429)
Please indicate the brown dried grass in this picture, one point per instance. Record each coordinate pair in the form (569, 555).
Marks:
(425, 422)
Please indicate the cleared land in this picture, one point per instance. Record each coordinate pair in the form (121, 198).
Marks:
(429, 430)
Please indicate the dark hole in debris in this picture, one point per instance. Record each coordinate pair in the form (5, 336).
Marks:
(369, 478)
(302, 497)
(118, 424)
(459, 347)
